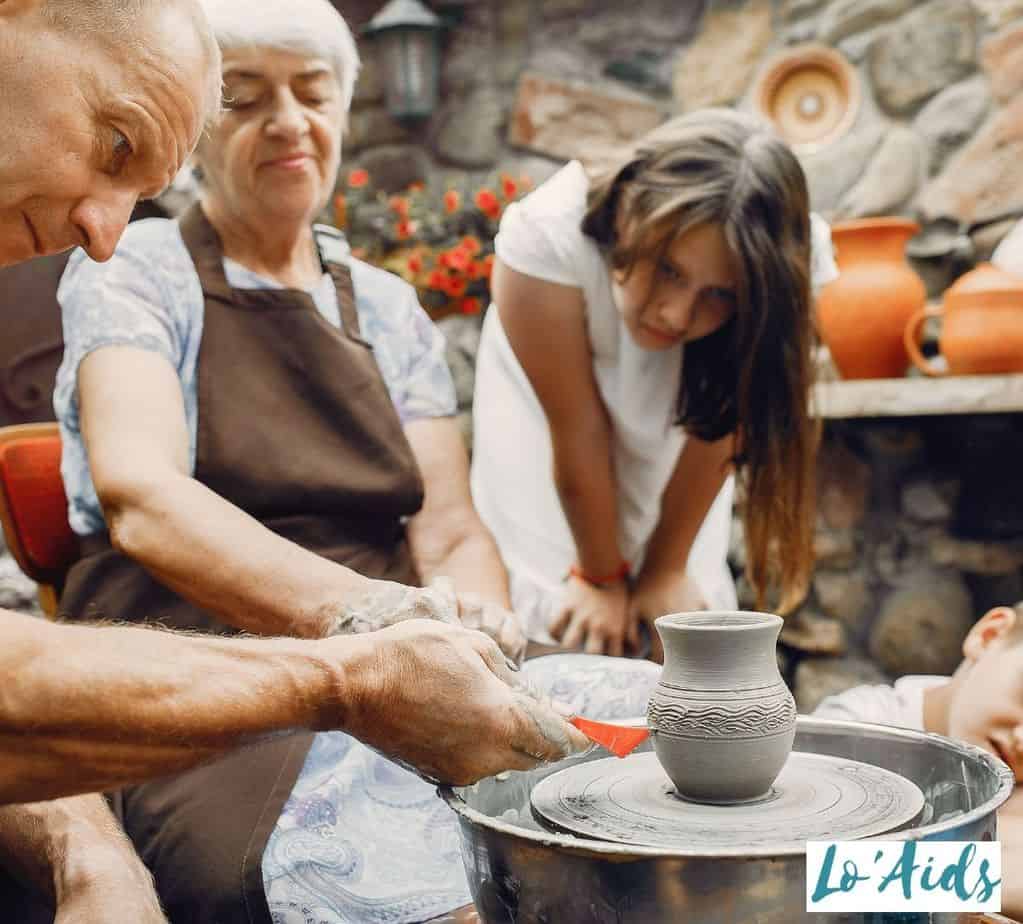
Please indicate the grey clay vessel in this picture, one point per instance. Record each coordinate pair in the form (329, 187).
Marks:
(721, 719)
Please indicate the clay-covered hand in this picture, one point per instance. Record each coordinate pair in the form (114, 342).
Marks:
(595, 619)
(387, 603)
(444, 700)
(655, 595)
(485, 616)
(106, 886)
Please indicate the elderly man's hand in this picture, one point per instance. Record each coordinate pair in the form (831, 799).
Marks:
(445, 700)
(388, 603)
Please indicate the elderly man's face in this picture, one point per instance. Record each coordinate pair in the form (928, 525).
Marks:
(89, 129)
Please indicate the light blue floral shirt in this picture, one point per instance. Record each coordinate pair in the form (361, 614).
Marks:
(149, 296)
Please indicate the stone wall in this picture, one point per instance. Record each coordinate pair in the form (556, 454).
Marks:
(920, 531)
(527, 84)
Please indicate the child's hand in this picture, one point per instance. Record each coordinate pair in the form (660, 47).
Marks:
(592, 618)
(655, 595)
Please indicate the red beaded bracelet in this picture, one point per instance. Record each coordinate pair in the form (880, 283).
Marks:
(607, 580)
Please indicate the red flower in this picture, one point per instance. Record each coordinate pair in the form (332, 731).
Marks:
(437, 280)
(452, 201)
(458, 259)
(475, 270)
(415, 264)
(486, 201)
(470, 245)
(417, 186)
(471, 306)
(399, 205)
(455, 286)
(357, 178)
(404, 229)
(508, 186)
(488, 265)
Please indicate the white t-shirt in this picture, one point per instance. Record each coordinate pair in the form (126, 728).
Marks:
(512, 483)
(882, 704)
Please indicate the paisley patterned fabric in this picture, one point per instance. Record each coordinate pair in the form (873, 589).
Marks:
(362, 840)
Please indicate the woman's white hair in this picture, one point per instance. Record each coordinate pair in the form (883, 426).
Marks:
(311, 27)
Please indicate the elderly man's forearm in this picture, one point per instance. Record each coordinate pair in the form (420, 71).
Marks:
(44, 842)
(88, 707)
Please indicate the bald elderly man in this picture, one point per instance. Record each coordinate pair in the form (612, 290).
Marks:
(101, 103)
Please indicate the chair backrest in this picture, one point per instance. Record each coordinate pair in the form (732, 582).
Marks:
(33, 505)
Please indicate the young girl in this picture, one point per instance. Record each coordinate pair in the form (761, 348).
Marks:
(651, 334)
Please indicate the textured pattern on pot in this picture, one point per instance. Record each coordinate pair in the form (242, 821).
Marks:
(721, 718)
(692, 714)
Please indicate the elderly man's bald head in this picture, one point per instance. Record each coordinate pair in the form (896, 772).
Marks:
(117, 22)
(105, 99)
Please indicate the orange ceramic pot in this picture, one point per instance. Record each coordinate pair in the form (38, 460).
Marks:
(863, 313)
(982, 325)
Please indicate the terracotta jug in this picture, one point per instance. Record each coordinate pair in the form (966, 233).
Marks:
(863, 313)
(982, 325)
(721, 719)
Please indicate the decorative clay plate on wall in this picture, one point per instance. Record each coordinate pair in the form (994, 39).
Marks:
(812, 95)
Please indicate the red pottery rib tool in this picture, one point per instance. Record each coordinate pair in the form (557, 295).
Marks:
(620, 740)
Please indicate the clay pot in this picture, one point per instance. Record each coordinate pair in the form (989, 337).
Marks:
(982, 325)
(721, 719)
(863, 313)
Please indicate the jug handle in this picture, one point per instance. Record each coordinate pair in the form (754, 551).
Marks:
(911, 339)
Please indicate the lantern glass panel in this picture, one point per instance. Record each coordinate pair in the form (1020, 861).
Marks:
(411, 61)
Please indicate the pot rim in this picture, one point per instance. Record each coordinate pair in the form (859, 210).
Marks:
(999, 298)
(728, 621)
(617, 852)
(881, 223)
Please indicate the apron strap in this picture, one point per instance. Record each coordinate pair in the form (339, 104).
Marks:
(206, 250)
(335, 257)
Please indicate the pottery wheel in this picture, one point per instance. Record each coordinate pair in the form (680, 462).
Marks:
(816, 797)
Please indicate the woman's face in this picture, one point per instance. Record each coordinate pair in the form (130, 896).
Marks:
(276, 152)
(684, 295)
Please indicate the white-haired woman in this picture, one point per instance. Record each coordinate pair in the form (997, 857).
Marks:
(258, 437)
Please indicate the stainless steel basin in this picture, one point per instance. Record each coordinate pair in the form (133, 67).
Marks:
(522, 874)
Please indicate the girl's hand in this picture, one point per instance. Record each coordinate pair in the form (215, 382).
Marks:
(655, 595)
(593, 618)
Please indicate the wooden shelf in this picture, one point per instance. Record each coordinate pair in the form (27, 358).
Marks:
(913, 397)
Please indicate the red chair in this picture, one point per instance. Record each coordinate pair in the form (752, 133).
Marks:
(33, 507)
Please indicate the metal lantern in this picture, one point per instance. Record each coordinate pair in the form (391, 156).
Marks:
(408, 35)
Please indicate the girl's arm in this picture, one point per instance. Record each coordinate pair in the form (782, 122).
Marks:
(663, 585)
(545, 323)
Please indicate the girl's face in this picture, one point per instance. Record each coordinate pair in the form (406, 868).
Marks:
(684, 295)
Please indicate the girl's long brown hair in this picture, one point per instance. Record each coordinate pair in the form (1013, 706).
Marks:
(751, 377)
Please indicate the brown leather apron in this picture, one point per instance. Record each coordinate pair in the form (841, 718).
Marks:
(297, 428)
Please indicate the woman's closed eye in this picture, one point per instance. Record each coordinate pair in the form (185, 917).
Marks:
(234, 102)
